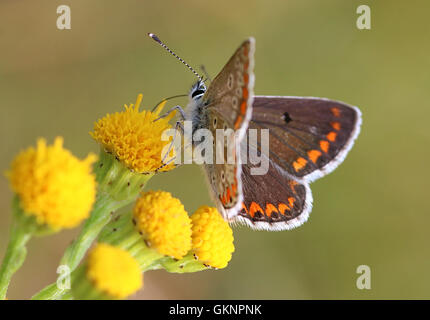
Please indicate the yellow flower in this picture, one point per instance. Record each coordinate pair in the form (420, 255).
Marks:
(212, 237)
(113, 271)
(53, 185)
(135, 138)
(164, 223)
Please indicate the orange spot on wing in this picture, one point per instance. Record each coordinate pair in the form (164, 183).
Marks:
(245, 93)
(221, 198)
(270, 208)
(228, 196)
(253, 208)
(293, 185)
(324, 145)
(335, 125)
(234, 159)
(291, 201)
(314, 155)
(243, 107)
(238, 122)
(234, 188)
(335, 111)
(283, 207)
(332, 136)
(299, 164)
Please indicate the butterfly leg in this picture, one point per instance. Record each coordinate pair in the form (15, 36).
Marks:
(175, 108)
(178, 127)
(165, 164)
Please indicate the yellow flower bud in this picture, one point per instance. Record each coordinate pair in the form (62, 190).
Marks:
(212, 237)
(113, 271)
(164, 223)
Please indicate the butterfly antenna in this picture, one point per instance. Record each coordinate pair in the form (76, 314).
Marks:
(156, 39)
(205, 73)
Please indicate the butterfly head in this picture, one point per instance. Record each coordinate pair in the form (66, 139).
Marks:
(197, 90)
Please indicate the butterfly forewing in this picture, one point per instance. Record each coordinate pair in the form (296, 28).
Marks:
(309, 137)
(231, 92)
(228, 106)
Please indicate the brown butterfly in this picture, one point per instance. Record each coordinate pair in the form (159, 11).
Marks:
(307, 139)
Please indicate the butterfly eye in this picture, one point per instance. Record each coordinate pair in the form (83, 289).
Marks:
(197, 92)
(222, 176)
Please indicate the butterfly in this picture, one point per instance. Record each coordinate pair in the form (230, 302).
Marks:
(308, 138)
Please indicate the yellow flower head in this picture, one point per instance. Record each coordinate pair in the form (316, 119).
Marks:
(53, 185)
(164, 223)
(212, 237)
(135, 138)
(113, 271)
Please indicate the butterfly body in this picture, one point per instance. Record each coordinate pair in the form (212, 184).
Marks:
(195, 111)
(308, 138)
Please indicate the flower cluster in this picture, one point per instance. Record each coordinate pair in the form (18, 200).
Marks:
(55, 190)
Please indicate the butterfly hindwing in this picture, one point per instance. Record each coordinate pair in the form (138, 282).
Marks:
(223, 176)
(273, 201)
(309, 137)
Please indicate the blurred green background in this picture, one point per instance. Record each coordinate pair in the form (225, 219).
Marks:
(372, 210)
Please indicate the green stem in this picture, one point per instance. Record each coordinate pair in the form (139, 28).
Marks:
(185, 265)
(100, 216)
(13, 260)
(67, 296)
(16, 251)
(123, 234)
(50, 292)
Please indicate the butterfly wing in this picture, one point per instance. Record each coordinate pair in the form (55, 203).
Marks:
(231, 93)
(309, 137)
(227, 104)
(273, 201)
